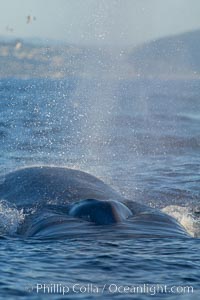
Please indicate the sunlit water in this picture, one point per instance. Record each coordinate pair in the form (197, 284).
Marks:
(139, 136)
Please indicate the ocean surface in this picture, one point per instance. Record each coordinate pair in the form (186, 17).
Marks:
(139, 136)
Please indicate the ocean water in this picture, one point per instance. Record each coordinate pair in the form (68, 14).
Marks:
(141, 137)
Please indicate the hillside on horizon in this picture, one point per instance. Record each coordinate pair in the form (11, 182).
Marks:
(173, 56)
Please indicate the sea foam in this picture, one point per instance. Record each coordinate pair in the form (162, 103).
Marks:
(186, 216)
(10, 218)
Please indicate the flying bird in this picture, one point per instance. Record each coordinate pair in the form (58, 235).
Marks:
(30, 19)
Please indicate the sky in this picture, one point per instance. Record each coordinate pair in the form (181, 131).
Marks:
(98, 22)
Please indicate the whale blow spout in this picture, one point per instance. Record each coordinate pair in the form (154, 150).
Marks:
(100, 212)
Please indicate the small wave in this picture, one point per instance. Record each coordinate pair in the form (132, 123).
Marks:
(188, 217)
(10, 218)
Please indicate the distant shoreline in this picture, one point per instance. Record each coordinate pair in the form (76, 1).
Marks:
(176, 57)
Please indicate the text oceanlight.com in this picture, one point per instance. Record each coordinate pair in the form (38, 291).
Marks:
(112, 288)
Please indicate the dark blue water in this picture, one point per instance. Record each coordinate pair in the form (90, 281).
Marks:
(139, 136)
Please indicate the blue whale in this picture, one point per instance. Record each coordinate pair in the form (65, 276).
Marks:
(62, 202)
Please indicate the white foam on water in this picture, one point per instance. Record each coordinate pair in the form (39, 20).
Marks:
(10, 218)
(186, 216)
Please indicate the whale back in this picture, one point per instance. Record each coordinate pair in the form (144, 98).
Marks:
(59, 202)
(53, 185)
